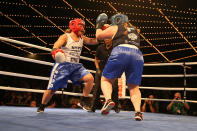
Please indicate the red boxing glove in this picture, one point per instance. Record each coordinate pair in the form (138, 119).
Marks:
(55, 51)
(105, 26)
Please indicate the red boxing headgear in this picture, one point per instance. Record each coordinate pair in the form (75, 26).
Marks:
(74, 25)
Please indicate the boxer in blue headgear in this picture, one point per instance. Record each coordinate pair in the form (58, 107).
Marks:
(125, 57)
(119, 19)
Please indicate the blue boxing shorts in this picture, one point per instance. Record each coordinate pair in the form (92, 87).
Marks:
(62, 72)
(125, 58)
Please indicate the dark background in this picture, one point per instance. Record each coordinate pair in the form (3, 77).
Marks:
(26, 20)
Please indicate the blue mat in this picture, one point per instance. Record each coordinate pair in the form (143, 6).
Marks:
(59, 119)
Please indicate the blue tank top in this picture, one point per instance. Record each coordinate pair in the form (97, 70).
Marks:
(121, 37)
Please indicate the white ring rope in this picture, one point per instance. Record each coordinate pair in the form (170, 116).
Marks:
(38, 91)
(170, 75)
(47, 78)
(80, 94)
(24, 43)
(31, 60)
(171, 64)
(35, 46)
(23, 75)
(26, 76)
(86, 58)
(51, 64)
(26, 59)
(169, 88)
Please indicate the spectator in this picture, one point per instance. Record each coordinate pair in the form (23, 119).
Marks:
(4, 99)
(178, 107)
(19, 98)
(33, 103)
(150, 105)
(53, 105)
(73, 102)
(27, 97)
(12, 99)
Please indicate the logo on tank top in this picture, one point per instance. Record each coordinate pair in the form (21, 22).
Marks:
(132, 36)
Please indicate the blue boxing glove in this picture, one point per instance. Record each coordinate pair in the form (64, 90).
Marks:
(101, 20)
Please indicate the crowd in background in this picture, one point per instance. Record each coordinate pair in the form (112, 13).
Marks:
(26, 99)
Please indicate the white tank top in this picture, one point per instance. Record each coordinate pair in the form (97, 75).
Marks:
(72, 49)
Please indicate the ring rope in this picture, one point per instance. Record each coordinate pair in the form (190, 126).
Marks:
(51, 64)
(26, 59)
(171, 64)
(179, 75)
(24, 75)
(39, 91)
(47, 78)
(35, 46)
(80, 94)
(32, 60)
(86, 58)
(169, 88)
(48, 63)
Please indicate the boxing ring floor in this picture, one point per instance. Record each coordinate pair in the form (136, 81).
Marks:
(64, 119)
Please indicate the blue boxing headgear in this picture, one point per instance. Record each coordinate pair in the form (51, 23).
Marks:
(119, 19)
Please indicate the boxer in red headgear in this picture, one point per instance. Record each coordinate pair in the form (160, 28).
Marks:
(77, 26)
(66, 53)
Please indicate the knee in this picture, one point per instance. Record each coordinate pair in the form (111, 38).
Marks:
(89, 78)
(133, 86)
(134, 90)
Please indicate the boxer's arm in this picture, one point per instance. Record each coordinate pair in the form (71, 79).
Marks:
(61, 40)
(101, 21)
(89, 41)
(107, 33)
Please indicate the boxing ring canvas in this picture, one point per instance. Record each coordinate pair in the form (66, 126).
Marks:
(61, 119)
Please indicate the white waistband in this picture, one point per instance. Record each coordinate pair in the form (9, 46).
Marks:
(128, 45)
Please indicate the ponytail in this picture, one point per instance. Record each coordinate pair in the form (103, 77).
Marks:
(68, 31)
